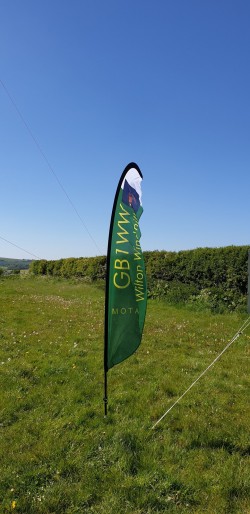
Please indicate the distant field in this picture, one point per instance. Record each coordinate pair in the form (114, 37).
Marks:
(57, 452)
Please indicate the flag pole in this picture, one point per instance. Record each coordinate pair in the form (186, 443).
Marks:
(106, 321)
(105, 398)
(133, 245)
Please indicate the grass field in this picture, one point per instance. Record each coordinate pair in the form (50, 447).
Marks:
(58, 452)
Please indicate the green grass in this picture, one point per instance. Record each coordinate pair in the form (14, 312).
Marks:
(58, 454)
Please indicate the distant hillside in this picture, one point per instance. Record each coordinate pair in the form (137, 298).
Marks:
(14, 264)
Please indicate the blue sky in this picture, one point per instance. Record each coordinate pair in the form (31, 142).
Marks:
(100, 84)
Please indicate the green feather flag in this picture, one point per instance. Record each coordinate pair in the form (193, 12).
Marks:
(126, 292)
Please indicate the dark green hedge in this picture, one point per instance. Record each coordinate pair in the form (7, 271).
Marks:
(204, 267)
(90, 268)
(212, 278)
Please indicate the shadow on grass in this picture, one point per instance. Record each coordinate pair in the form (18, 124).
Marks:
(220, 444)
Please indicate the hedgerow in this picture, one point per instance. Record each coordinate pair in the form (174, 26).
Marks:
(212, 278)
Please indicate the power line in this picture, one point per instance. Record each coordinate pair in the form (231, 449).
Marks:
(19, 247)
(48, 163)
